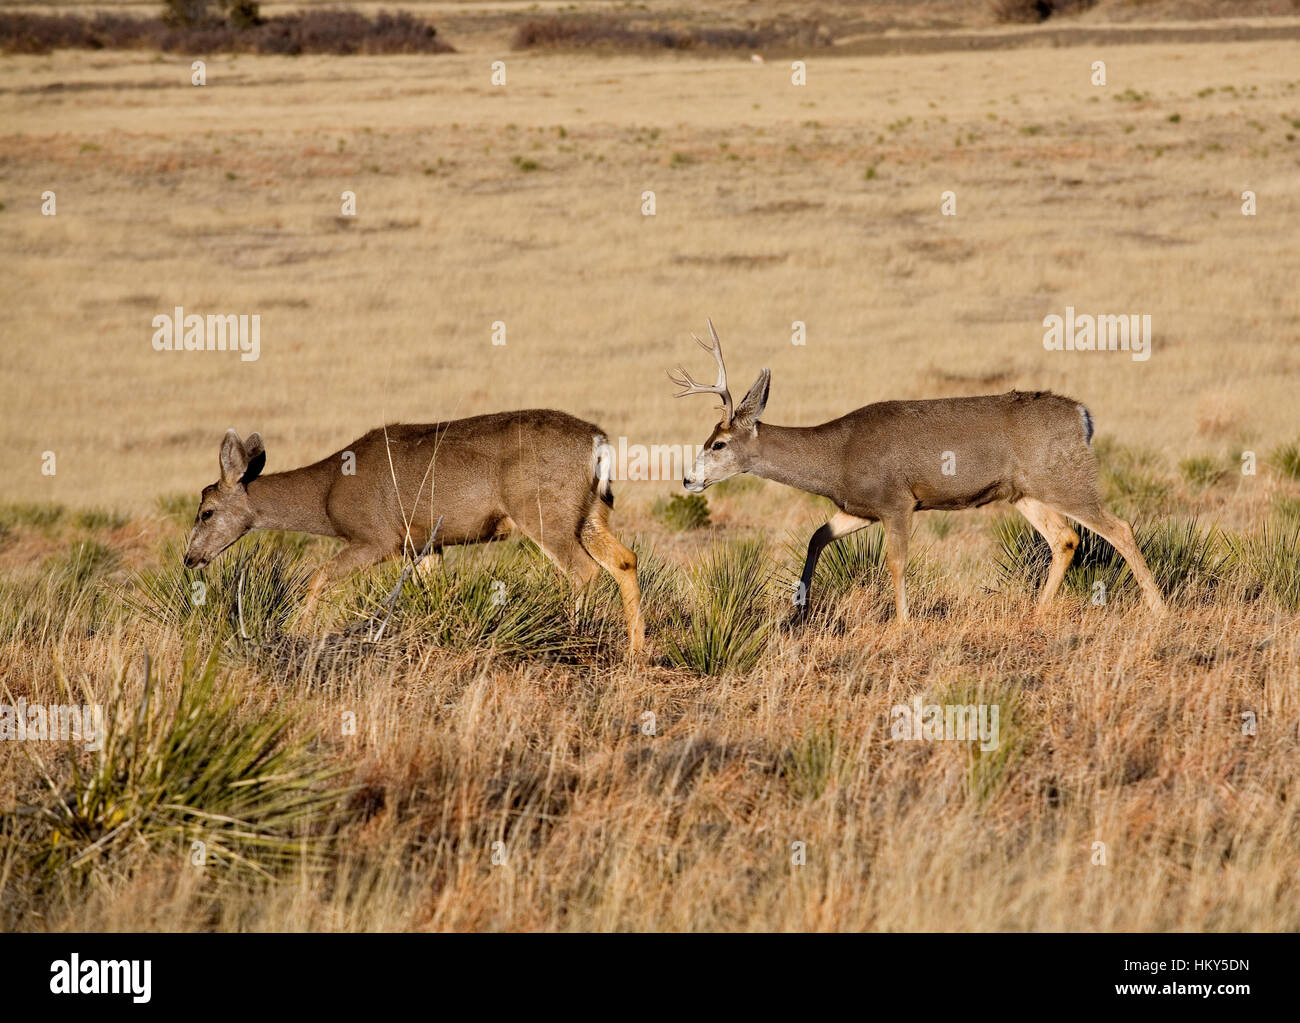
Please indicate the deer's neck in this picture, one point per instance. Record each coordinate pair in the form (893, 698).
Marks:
(798, 456)
(294, 500)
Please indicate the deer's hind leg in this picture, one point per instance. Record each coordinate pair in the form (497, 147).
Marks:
(1088, 510)
(559, 543)
(1059, 536)
(620, 563)
(1119, 534)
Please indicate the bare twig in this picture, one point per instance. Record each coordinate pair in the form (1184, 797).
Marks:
(407, 569)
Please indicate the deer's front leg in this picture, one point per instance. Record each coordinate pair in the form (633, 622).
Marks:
(345, 562)
(897, 528)
(841, 524)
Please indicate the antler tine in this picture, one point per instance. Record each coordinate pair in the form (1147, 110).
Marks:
(691, 386)
(683, 381)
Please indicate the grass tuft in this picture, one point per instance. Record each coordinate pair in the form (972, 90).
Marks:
(178, 765)
(1270, 560)
(682, 512)
(726, 624)
(207, 603)
(1181, 556)
(508, 599)
(1202, 471)
(1286, 459)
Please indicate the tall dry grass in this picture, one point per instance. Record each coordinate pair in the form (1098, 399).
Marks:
(499, 766)
(467, 772)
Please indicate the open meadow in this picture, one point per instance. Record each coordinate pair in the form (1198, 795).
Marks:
(897, 227)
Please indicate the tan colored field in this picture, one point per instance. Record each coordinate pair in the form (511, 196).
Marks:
(775, 204)
(226, 199)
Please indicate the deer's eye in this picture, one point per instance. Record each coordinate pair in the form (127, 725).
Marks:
(206, 515)
(718, 445)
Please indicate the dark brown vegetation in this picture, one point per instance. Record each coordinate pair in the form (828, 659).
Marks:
(583, 33)
(339, 32)
(1031, 11)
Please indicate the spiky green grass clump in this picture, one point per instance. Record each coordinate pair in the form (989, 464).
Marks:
(100, 518)
(252, 590)
(813, 762)
(178, 765)
(1202, 471)
(727, 620)
(1133, 480)
(33, 516)
(1286, 508)
(1182, 557)
(683, 511)
(509, 599)
(70, 594)
(1286, 459)
(179, 507)
(1269, 560)
(989, 769)
(855, 561)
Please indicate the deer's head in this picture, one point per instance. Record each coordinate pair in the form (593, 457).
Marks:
(225, 512)
(733, 444)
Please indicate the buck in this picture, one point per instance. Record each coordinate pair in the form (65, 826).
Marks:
(882, 462)
(410, 487)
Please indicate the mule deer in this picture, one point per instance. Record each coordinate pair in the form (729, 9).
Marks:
(543, 473)
(885, 461)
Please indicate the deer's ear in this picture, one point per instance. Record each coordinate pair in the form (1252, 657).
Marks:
(255, 450)
(751, 406)
(234, 459)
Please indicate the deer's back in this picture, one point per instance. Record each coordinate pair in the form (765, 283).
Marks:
(963, 452)
(473, 473)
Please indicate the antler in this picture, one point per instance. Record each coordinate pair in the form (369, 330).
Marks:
(690, 386)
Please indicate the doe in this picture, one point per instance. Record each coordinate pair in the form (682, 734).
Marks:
(543, 473)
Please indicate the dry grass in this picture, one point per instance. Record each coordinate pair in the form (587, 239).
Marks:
(649, 797)
(476, 204)
(227, 198)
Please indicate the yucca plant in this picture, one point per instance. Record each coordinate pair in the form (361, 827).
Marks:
(1179, 553)
(682, 512)
(1286, 508)
(1182, 556)
(727, 622)
(183, 766)
(1202, 471)
(813, 762)
(100, 518)
(32, 516)
(1131, 478)
(253, 590)
(857, 560)
(989, 769)
(509, 599)
(1270, 560)
(180, 508)
(1286, 459)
